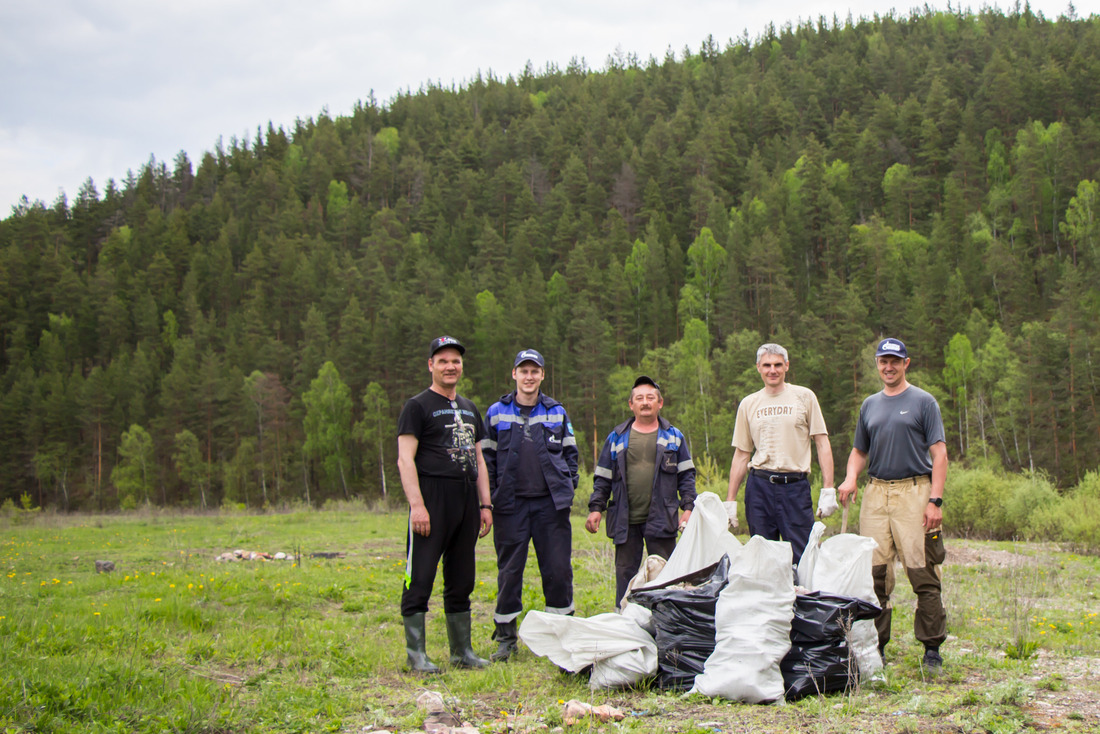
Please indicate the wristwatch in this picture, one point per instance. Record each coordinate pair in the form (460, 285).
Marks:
(486, 507)
(937, 501)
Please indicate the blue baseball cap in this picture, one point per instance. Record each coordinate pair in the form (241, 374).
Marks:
(891, 348)
(529, 355)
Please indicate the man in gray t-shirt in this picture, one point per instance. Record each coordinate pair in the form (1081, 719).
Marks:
(900, 441)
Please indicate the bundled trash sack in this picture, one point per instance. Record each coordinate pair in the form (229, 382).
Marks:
(820, 659)
(619, 652)
(683, 619)
(703, 543)
(753, 619)
(842, 565)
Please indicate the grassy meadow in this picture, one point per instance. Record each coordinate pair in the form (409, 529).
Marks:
(174, 641)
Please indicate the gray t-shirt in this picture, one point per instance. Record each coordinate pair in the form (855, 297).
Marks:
(895, 432)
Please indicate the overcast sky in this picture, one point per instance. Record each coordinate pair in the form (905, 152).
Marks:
(94, 87)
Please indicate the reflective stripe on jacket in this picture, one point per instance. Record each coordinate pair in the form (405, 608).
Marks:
(556, 451)
(673, 482)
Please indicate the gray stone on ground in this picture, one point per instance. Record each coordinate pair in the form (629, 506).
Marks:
(430, 701)
(104, 566)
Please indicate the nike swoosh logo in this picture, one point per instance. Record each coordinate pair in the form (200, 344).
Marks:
(904, 412)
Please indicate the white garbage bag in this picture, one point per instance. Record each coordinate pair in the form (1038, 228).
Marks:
(842, 565)
(753, 625)
(704, 541)
(809, 556)
(620, 652)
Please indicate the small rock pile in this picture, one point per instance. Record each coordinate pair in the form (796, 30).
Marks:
(244, 555)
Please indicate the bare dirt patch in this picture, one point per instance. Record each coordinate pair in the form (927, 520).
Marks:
(964, 555)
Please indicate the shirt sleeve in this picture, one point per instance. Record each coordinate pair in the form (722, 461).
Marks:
(742, 439)
(817, 420)
(862, 439)
(411, 420)
(933, 422)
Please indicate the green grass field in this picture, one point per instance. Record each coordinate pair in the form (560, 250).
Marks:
(174, 641)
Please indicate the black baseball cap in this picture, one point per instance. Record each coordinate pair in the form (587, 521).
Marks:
(645, 380)
(441, 342)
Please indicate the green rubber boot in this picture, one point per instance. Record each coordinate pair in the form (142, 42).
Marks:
(415, 637)
(458, 633)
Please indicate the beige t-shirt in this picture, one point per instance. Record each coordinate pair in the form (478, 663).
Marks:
(778, 428)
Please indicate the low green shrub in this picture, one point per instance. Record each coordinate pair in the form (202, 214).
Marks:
(975, 503)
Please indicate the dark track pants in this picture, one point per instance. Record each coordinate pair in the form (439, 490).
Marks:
(534, 520)
(455, 521)
(780, 511)
(628, 556)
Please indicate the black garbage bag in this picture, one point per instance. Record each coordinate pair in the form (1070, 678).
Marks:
(684, 623)
(820, 659)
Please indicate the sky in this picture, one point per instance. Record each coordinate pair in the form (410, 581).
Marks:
(93, 88)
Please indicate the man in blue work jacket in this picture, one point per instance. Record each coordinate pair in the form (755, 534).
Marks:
(531, 456)
(644, 475)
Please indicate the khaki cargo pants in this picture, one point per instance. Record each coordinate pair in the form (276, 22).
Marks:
(892, 512)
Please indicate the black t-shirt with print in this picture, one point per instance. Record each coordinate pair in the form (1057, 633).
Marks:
(447, 432)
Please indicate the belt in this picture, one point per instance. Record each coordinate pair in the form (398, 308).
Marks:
(903, 480)
(778, 477)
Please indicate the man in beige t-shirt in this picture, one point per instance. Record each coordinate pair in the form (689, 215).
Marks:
(771, 443)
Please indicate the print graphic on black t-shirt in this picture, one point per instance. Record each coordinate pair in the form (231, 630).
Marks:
(462, 442)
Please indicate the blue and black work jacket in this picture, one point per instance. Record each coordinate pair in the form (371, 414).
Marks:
(555, 447)
(673, 483)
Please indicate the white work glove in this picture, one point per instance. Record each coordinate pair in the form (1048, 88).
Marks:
(731, 513)
(826, 502)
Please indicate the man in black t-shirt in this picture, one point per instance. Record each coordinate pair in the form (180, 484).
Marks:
(445, 481)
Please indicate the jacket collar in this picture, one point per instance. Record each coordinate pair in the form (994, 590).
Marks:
(546, 400)
(624, 428)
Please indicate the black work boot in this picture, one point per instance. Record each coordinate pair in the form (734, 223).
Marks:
(415, 637)
(506, 638)
(932, 661)
(458, 633)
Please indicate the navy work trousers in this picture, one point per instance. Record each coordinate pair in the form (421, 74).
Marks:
(534, 520)
(455, 522)
(780, 511)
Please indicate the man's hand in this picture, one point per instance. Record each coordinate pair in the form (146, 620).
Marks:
(848, 491)
(420, 520)
(486, 522)
(826, 502)
(933, 517)
(684, 519)
(731, 512)
(592, 524)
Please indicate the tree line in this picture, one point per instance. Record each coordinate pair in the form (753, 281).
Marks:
(246, 328)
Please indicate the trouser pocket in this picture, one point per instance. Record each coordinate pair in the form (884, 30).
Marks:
(934, 552)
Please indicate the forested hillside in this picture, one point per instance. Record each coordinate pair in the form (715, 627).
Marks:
(167, 338)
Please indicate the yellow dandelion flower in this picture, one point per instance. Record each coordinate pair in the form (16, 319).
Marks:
(157, 599)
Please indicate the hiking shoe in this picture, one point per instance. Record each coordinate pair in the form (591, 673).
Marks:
(932, 662)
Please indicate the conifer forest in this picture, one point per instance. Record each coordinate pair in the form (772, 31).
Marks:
(243, 326)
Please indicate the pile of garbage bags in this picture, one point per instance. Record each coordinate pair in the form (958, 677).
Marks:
(725, 619)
